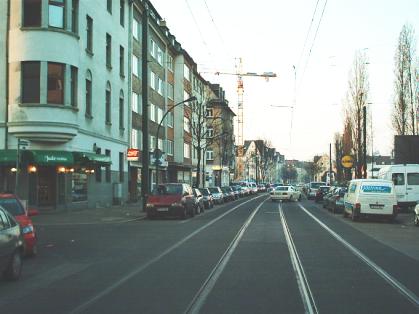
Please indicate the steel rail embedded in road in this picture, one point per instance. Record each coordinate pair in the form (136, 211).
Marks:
(83, 307)
(202, 294)
(302, 282)
(402, 289)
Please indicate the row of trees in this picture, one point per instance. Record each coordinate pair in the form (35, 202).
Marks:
(405, 105)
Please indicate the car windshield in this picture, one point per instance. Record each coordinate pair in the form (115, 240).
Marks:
(169, 189)
(281, 188)
(204, 192)
(214, 190)
(13, 206)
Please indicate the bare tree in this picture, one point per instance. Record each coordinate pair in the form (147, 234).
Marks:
(405, 85)
(357, 99)
(347, 141)
(338, 156)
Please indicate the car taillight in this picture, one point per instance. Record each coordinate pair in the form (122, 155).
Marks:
(357, 206)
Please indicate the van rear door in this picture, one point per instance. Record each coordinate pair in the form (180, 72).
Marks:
(412, 187)
(398, 177)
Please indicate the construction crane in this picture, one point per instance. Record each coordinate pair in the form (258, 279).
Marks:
(240, 114)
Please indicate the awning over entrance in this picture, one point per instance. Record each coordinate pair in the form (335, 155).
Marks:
(81, 157)
(7, 157)
(51, 158)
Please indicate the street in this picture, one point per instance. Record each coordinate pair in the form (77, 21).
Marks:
(247, 256)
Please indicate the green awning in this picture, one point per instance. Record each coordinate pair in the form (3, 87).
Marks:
(49, 157)
(7, 157)
(92, 158)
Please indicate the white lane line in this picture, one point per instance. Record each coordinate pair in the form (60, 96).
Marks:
(199, 300)
(82, 307)
(302, 282)
(402, 289)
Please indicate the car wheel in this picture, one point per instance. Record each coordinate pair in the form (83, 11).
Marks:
(184, 213)
(14, 268)
(299, 198)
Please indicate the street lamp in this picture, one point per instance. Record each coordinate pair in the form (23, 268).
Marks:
(156, 161)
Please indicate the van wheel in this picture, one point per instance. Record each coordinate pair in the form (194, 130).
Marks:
(14, 268)
(354, 217)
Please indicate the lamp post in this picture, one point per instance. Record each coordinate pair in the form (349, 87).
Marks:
(156, 161)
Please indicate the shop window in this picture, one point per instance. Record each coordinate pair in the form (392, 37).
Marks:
(108, 167)
(79, 186)
(55, 83)
(56, 13)
(30, 81)
(32, 13)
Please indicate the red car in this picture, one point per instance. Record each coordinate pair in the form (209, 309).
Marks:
(15, 207)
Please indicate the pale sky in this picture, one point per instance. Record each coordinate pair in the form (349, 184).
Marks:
(269, 36)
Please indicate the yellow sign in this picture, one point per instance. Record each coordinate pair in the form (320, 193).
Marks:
(347, 161)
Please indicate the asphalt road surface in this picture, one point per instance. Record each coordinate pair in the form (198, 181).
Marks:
(247, 256)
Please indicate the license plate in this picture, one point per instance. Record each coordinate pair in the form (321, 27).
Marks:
(284, 194)
(163, 209)
(376, 206)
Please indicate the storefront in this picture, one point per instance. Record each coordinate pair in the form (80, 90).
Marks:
(8, 170)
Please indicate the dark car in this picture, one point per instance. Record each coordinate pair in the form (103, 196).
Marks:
(199, 201)
(174, 199)
(335, 201)
(321, 192)
(208, 199)
(15, 207)
(11, 246)
(228, 193)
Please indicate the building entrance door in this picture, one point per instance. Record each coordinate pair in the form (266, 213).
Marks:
(47, 186)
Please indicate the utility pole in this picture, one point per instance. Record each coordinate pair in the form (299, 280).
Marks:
(364, 147)
(145, 175)
(330, 164)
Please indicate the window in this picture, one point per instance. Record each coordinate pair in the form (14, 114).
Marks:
(186, 72)
(160, 144)
(134, 102)
(73, 86)
(31, 81)
(135, 29)
(109, 6)
(108, 167)
(55, 83)
(121, 167)
(152, 113)
(413, 178)
(170, 119)
(56, 13)
(159, 114)
(89, 34)
(152, 143)
(135, 65)
(134, 138)
(170, 62)
(32, 13)
(186, 96)
(108, 104)
(160, 89)
(210, 113)
(186, 124)
(75, 16)
(153, 80)
(121, 61)
(140, 139)
(108, 50)
(186, 150)
(170, 147)
(89, 94)
(398, 178)
(210, 132)
(170, 91)
(4, 222)
(121, 110)
(153, 48)
(121, 12)
(210, 155)
(160, 56)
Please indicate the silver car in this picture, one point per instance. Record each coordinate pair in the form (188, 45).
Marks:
(217, 195)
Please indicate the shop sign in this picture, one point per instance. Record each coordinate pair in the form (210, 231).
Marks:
(133, 154)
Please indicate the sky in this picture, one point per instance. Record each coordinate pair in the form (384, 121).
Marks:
(318, 37)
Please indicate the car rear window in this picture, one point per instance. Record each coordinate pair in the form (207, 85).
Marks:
(12, 206)
(214, 190)
(375, 189)
(281, 188)
(170, 189)
(413, 178)
(316, 185)
(204, 192)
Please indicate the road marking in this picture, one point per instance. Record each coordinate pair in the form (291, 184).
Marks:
(199, 299)
(103, 222)
(302, 281)
(82, 307)
(402, 289)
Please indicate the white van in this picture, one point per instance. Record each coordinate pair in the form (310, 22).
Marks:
(370, 197)
(406, 182)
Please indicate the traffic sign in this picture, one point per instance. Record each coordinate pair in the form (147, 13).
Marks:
(347, 161)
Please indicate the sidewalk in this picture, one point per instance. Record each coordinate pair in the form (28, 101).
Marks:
(114, 214)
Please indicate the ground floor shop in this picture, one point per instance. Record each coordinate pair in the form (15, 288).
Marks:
(217, 176)
(51, 180)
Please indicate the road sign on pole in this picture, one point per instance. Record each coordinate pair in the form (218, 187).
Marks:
(347, 161)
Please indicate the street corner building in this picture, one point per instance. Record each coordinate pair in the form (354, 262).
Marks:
(83, 82)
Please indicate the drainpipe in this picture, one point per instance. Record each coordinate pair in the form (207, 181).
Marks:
(6, 128)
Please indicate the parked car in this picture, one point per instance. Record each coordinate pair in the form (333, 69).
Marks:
(285, 192)
(253, 188)
(335, 201)
(199, 201)
(11, 246)
(371, 197)
(416, 212)
(22, 215)
(228, 193)
(261, 188)
(245, 187)
(321, 191)
(237, 191)
(328, 196)
(208, 198)
(171, 199)
(217, 194)
(312, 189)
